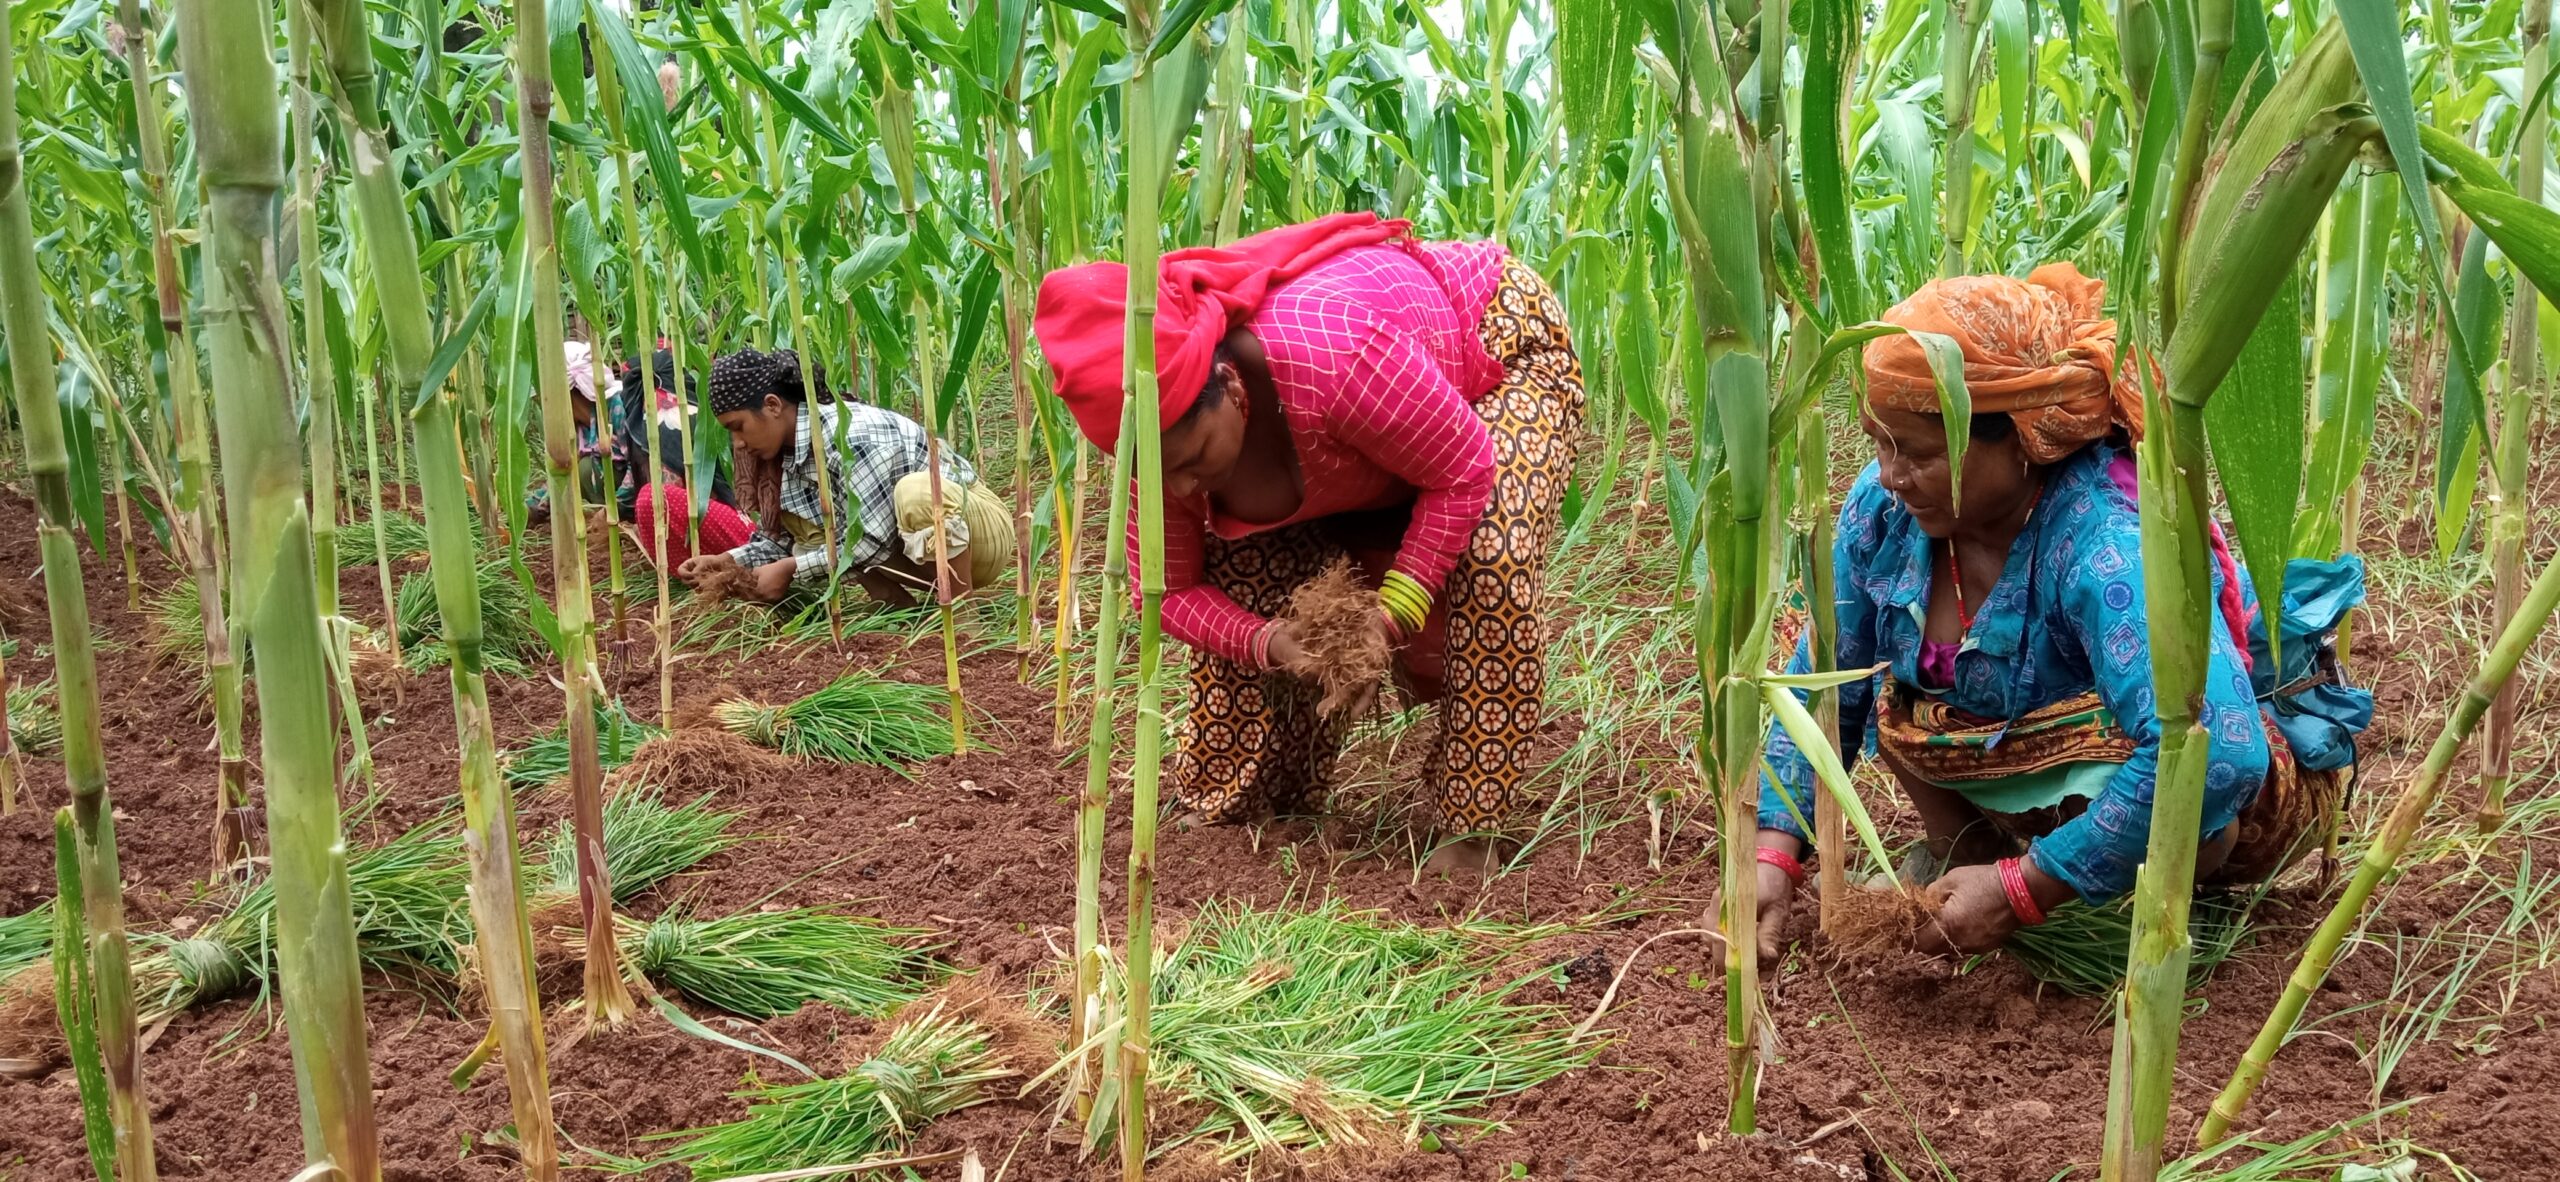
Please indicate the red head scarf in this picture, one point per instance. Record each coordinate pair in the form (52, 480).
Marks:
(2036, 349)
(1201, 293)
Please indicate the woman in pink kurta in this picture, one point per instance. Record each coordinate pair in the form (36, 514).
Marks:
(1329, 388)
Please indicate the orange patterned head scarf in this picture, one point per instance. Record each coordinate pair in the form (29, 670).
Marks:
(2035, 349)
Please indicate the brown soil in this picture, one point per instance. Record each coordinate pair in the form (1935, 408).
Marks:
(1982, 1068)
(1344, 653)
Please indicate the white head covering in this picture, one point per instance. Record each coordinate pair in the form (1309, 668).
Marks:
(582, 369)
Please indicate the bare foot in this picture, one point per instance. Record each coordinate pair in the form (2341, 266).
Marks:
(1467, 857)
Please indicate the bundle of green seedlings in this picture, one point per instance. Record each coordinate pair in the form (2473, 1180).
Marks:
(2081, 949)
(545, 759)
(929, 1067)
(175, 632)
(646, 842)
(24, 938)
(1290, 1031)
(508, 637)
(763, 964)
(857, 718)
(403, 537)
(35, 724)
(408, 901)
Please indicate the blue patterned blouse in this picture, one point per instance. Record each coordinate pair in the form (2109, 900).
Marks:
(2067, 616)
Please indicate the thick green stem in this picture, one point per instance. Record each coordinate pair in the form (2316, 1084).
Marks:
(1091, 810)
(573, 601)
(320, 384)
(241, 164)
(2509, 518)
(1830, 825)
(1144, 445)
(1955, 72)
(2195, 133)
(196, 519)
(2179, 587)
(1006, 167)
(489, 829)
(373, 518)
(644, 313)
(22, 315)
(75, 660)
(2497, 670)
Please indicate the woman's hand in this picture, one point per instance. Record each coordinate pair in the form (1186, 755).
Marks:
(1777, 896)
(701, 566)
(1288, 650)
(1975, 915)
(772, 581)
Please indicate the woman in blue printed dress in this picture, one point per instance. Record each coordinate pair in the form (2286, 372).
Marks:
(2015, 712)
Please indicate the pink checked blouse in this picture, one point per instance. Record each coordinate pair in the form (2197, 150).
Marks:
(1377, 362)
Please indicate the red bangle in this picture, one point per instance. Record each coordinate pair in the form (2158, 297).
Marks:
(1783, 861)
(2022, 902)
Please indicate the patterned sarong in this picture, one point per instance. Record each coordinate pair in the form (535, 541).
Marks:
(1989, 760)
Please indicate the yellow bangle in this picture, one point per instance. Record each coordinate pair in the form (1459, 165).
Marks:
(1405, 600)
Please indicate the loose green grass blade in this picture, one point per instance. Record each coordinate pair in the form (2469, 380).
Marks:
(2081, 949)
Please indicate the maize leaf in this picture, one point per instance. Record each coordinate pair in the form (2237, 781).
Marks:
(2463, 428)
(1831, 54)
(2526, 233)
(1595, 39)
(2373, 29)
(2012, 61)
(2254, 253)
(2355, 292)
(2254, 426)
(1637, 341)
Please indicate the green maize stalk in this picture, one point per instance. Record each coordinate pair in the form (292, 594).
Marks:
(1142, 444)
(1091, 808)
(31, 364)
(2508, 516)
(489, 830)
(196, 500)
(1958, 56)
(607, 1000)
(240, 160)
(321, 379)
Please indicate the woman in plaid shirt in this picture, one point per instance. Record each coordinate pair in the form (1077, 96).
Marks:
(1329, 388)
(877, 473)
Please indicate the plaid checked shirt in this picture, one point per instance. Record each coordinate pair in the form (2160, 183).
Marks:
(869, 450)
